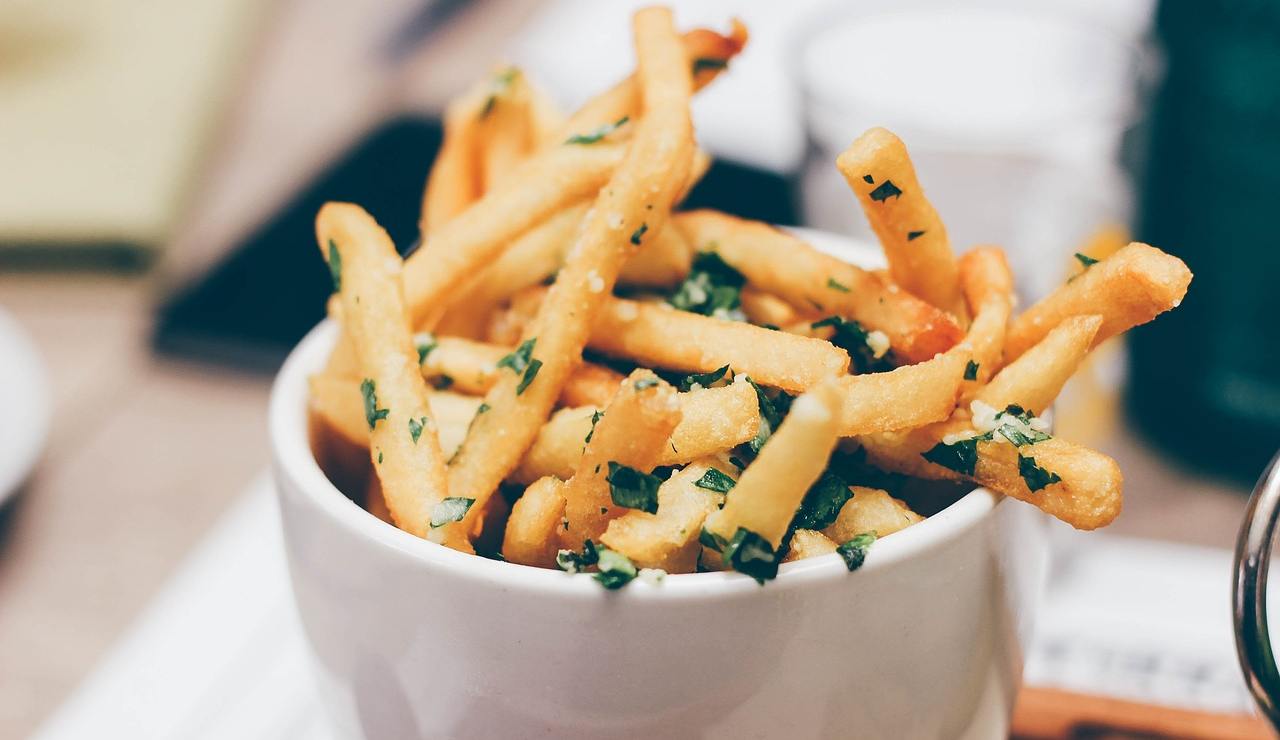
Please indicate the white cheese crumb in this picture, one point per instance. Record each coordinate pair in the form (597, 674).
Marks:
(615, 220)
(984, 416)
(878, 342)
(651, 576)
(627, 311)
(595, 282)
(809, 408)
(953, 437)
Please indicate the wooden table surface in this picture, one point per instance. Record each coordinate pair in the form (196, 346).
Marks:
(145, 453)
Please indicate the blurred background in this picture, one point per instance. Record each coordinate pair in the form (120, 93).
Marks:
(161, 164)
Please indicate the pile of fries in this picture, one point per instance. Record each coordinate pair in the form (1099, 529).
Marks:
(571, 373)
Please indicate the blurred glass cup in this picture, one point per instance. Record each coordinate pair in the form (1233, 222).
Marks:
(1014, 120)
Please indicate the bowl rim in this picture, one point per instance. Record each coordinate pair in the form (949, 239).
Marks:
(295, 468)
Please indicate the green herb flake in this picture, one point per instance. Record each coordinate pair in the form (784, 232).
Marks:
(638, 234)
(913, 235)
(704, 380)
(822, 503)
(599, 133)
(518, 360)
(530, 373)
(960, 456)
(644, 383)
(712, 541)
(379, 457)
(885, 191)
(451, 509)
(709, 64)
(614, 570)
(772, 411)
(738, 462)
(442, 382)
(633, 489)
(415, 428)
(854, 551)
(851, 337)
(1086, 260)
(1035, 476)
(712, 288)
(715, 480)
(372, 413)
(868, 179)
(971, 370)
(572, 562)
(834, 284)
(335, 265)
(752, 555)
(497, 86)
(425, 343)
(596, 416)
(1019, 431)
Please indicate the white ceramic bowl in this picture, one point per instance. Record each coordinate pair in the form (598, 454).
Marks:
(414, 640)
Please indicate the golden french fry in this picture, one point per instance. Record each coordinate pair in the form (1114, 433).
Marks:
(712, 421)
(455, 182)
(770, 490)
(1088, 495)
(806, 543)
(590, 385)
(1106, 241)
(402, 438)
(811, 281)
(374, 503)
(768, 309)
(988, 289)
(631, 433)
(662, 262)
(1131, 287)
(909, 396)
(530, 537)
(505, 127)
(668, 539)
(871, 510)
(634, 202)
(1033, 380)
(472, 367)
(655, 334)
(545, 117)
(338, 402)
(879, 171)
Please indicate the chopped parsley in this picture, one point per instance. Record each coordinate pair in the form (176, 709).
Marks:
(885, 191)
(614, 570)
(379, 456)
(498, 86)
(638, 233)
(572, 562)
(849, 336)
(715, 480)
(442, 382)
(712, 541)
(644, 383)
(518, 360)
(822, 503)
(335, 265)
(868, 179)
(709, 63)
(772, 411)
(633, 489)
(372, 413)
(854, 551)
(960, 456)
(738, 462)
(712, 288)
(530, 373)
(1014, 424)
(1035, 476)
(971, 370)
(595, 417)
(415, 428)
(750, 554)
(913, 235)
(426, 344)
(1084, 259)
(704, 380)
(834, 284)
(451, 509)
(599, 133)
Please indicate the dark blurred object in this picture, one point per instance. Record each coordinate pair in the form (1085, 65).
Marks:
(251, 308)
(266, 294)
(1206, 378)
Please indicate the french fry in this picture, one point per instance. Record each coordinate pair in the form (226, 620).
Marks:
(1033, 380)
(879, 171)
(806, 543)
(1131, 287)
(472, 367)
(811, 281)
(768, 309)
(402, 438)
(871, 510)
(505, 127)
(455, 180)
(530, 538)
(909, 396)
(1089, 494)
(374, 503)
(771, 488)
(661, 263)
(988, 289)
(712, 421)
(338, 402)
(632, 432)
(668, 539)
(635, 201)
(661, 336)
